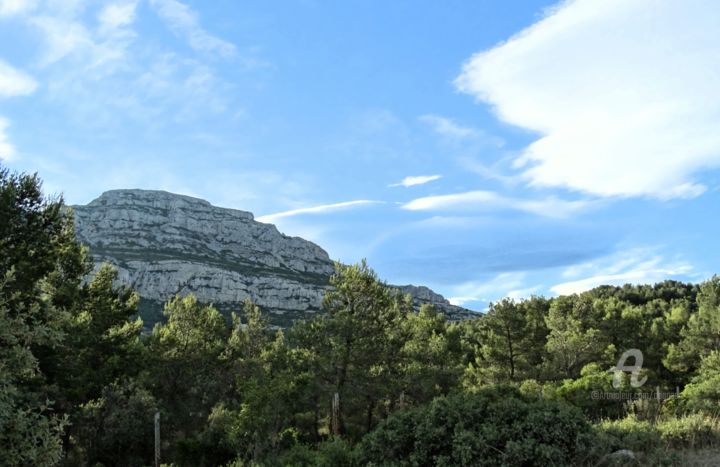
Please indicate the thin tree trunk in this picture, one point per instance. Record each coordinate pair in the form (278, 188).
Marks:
(369, 415)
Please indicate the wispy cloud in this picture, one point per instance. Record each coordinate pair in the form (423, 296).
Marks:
(117, 15)
(14, 82)
(14, 7)
(184, 22)
(447, 127)
(485, 290)
(489, 200)
(637, 266)
(619, 92)
(94, 51)
(416, 180)
(7, 150)
(490, 172)
(89, 52)
(269, 218)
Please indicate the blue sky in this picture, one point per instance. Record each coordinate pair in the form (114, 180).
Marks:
(481, 148)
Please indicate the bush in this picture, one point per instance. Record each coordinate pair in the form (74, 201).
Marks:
(579, 392)
(495, 426)
(692, 431)
(329, 453)
(117, 428)
(703, 393)
(638, 436)
(627, 433)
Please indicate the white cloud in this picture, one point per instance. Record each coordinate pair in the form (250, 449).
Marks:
(446, 127)
(489, 200)
(636, 266)
(117, 15)
(14, 82)
(623, 92)
(269, 218)
(183, 22)
(416, 180)
(16, 7)
(101, 50)
(7, 150)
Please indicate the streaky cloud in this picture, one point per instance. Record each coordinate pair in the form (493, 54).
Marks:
(416, 180)
(489, 200)
(447, 127)
(183, 22)
(269, 218)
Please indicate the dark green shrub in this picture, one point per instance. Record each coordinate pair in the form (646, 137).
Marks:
(331, 453)
(495, 426)
(117, 428)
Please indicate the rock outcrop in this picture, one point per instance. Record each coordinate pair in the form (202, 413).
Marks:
(423, 295)
(165, 244)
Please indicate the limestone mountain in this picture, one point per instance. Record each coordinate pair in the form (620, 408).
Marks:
(165, 244)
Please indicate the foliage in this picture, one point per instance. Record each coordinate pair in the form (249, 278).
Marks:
(185, 368)
(431, 356)
(495, 426)
(117, 428)
(692, 431)
(507, 344)
(703, 392)
(701, 334)
(629, 433)
(329, 453)
(37, 251)
(358, 344)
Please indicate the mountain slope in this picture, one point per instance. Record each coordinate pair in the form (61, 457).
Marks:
(165, 244)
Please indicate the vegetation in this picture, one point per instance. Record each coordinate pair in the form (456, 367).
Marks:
(368, 382)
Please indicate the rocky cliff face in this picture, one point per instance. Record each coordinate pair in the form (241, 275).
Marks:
(424, 296)
(165, 244)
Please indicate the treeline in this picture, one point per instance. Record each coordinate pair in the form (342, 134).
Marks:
(367, 382)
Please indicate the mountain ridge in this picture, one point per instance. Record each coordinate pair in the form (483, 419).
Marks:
(165, 244)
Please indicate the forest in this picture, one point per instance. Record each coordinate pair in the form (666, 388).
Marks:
(369, 381)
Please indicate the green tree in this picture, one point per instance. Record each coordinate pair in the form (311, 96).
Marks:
(703, 391)
(115, 428)
(575, 338)
(186, 371)
(40, 261)
(510, 345)
(358, 342)
(272, 389)
(277, 407)
(249, 338)
(102, 343)
(701, 334)
(432, 356)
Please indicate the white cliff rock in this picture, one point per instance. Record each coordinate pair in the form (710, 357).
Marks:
(165, 244)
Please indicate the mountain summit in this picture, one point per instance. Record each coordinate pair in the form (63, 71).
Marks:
(165, 244)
